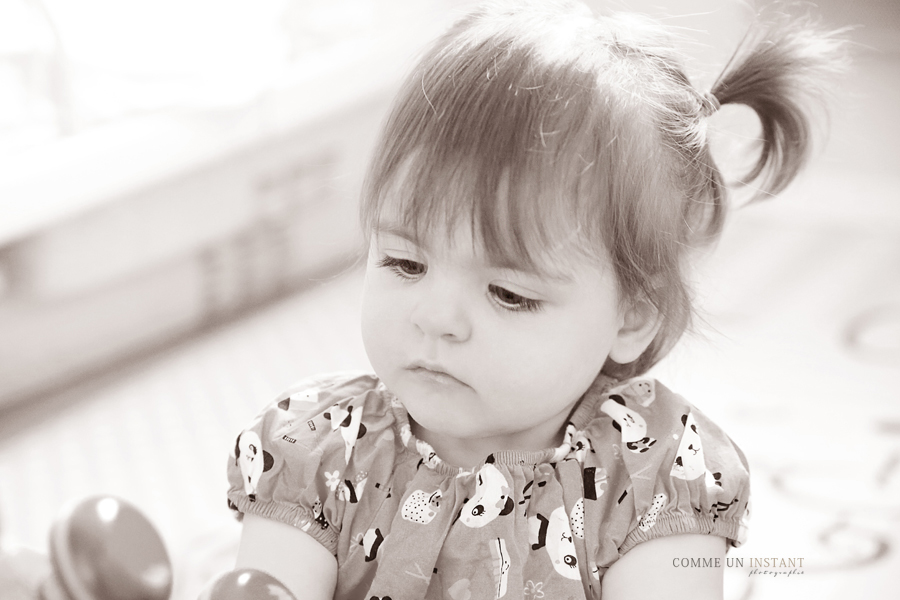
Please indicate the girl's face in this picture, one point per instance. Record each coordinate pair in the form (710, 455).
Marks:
(484, 358)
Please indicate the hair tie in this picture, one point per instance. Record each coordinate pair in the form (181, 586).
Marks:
(710, 105)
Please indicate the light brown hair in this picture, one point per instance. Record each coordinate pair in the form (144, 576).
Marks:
(537, 124)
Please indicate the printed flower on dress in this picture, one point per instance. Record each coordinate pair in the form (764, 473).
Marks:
(534, 590)
(333, 479)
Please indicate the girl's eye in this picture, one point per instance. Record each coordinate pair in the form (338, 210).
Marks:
(513, 301)
(403, 267)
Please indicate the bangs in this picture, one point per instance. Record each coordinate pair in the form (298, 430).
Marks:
(552, 134)
(496, 137)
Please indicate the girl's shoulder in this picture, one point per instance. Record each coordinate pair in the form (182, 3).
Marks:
(642, 416)
(342, 399)
(337, 386)
(674, 460)
(333, 413)
(323, 434)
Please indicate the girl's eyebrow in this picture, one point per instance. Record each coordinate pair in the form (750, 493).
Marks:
(554, 275)
(383, 228)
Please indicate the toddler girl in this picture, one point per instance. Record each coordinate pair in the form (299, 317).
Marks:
(530, 209)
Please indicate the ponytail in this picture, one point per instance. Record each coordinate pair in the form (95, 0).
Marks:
(779, 70)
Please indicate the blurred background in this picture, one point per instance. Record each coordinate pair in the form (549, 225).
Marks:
(178, 242)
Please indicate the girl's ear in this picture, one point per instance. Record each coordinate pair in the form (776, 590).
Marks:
(640, 323)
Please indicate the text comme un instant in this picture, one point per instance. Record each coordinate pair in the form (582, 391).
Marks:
(766, 563)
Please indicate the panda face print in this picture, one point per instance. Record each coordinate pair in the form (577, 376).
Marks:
(554, 535)
(581, 446)
(253, 461)
(644, 391)
(689, 463)
(629, 423)
(641, 391)
(492, 498)
(565, 562)
(349, 421)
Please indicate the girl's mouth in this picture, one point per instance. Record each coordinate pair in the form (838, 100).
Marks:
(433, 373)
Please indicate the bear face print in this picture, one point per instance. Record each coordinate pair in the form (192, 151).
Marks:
(689, 463)
(253, 461)
(421, 507)
(553, 534)
(629, 423)
(492, 498)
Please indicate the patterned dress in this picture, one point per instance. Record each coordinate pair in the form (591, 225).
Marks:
(335, 457)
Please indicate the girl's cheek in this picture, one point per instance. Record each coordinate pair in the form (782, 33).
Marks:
(381, 300)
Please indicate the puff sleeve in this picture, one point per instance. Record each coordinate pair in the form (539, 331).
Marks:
(300, 460)
(682, 473)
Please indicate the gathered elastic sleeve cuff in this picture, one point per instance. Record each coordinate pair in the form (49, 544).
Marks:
(701, 483)
(684, 474)
(289, 464)
(292, 514)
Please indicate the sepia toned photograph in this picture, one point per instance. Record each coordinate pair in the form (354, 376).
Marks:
(449, 299)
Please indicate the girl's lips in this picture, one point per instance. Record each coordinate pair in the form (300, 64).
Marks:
(434, 374)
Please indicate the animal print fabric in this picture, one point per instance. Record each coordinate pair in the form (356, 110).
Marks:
(334, 456)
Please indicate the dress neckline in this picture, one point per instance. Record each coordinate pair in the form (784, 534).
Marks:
(583, 413)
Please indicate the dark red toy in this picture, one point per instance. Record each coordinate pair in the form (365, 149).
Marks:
(246, 584)
(103, 548)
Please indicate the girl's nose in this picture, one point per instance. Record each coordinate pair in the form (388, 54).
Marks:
(440, 313)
